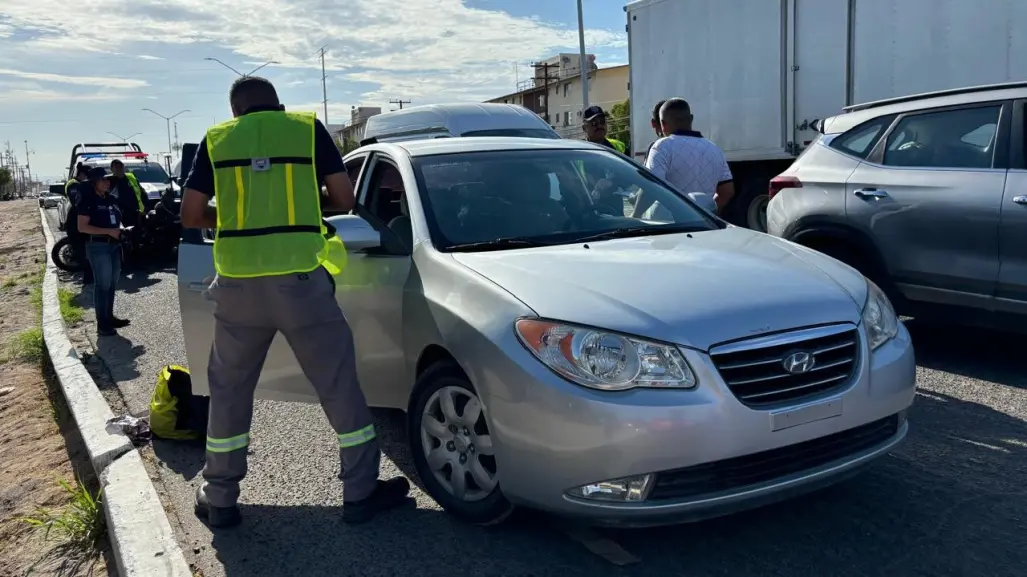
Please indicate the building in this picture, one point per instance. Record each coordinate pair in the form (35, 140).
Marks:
(354, 130)
(554, 91)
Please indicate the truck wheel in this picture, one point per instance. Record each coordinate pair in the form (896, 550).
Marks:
(750, 205)
(452, 447)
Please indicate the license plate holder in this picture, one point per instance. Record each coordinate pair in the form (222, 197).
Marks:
(793, 417)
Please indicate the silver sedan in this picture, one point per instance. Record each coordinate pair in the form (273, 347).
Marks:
(553, 353)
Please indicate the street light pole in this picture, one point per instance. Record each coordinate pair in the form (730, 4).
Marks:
(167, 121)
(123, 138)
(582, 64)
(250, 73)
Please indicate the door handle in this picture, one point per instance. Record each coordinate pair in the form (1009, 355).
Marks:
(870, 193)
(1020, 199)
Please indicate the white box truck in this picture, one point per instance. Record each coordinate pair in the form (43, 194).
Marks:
(757, 73)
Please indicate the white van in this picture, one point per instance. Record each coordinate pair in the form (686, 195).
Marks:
(452, 120)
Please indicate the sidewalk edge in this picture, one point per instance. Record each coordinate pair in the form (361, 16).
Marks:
(141, 536)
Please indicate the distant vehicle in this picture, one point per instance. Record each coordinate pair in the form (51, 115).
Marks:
(925, 194)
(553, 355)
(49, 199)
(792, 62)
(453, 120)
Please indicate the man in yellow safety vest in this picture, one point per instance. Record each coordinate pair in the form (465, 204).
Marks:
(274, 260)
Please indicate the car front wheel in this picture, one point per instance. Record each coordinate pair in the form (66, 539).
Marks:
(452, 447)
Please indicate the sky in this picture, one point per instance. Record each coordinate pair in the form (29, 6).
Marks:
(78, 71)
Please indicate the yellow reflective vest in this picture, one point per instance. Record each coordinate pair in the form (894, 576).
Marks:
(268, 197)
(138, 190)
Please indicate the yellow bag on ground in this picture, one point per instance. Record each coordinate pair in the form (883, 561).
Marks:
(175, 413)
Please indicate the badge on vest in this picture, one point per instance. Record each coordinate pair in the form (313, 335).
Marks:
(260, 164)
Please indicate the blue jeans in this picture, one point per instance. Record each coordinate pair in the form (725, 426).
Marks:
(105, 259)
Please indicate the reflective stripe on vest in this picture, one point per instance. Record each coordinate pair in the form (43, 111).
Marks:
(134, 183)
(267, 195)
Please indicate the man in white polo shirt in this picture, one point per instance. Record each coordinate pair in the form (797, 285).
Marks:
(686, 160)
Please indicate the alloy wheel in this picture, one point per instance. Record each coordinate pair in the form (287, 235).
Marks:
(457, 445)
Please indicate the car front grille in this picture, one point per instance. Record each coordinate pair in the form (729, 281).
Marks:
(756, 372)
(740, 472)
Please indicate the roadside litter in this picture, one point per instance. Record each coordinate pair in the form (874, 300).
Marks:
(136, 429)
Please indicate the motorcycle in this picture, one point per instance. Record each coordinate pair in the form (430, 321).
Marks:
(158, 233)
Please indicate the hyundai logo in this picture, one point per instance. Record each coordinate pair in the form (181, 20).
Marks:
(799, 363)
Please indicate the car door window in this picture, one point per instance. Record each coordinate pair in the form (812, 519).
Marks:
(384, 192)
(353, 166)
(960, 138)
(860, 140)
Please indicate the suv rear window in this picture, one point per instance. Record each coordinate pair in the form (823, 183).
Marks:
(860, 140)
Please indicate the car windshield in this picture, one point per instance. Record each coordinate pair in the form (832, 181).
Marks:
(509, 199)
(149, 172)
(515, 132)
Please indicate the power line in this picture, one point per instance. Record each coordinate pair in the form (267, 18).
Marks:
(400, 102)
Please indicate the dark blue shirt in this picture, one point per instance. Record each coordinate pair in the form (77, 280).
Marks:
(102, 210)
(327, 159)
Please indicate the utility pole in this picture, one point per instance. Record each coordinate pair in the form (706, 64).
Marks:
(583, 64)
(324, 84)
(546, 78)
(28, 164)
(400, 102)
(177, 147)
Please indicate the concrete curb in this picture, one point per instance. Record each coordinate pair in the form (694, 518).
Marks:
(141, 536)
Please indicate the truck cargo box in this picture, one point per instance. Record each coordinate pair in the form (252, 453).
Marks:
(758, 72)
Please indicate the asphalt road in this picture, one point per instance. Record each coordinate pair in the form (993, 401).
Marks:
(950, 501)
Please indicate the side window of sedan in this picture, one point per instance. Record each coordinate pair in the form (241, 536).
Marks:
(353, 167)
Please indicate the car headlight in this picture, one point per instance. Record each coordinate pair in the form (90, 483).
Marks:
(879, 317)
(604, 360)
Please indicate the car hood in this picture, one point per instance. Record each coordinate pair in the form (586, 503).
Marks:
(696, 290)
(153, 190)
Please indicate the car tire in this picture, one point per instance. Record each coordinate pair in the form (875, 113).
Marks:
(438, 458)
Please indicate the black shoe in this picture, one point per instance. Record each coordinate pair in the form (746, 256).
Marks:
(387, 495)
(106, 332)
(120, 323)
(221, 517)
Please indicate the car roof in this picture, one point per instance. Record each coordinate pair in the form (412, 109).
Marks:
(859, 113)
(454, 118)
(458, 145)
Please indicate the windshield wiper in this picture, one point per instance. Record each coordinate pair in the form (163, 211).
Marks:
(632, 231)
(497, 244)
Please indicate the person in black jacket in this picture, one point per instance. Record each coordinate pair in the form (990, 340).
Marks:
(75, 190)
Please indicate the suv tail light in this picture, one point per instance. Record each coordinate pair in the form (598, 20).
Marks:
(779, 183)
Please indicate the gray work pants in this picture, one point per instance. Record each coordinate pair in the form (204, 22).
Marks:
(248, 312)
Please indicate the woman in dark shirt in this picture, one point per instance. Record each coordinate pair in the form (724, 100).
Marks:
(99, 222)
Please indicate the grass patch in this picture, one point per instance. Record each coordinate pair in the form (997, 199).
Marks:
(79, 525)
(71, 312)
(36, 298)
(10, 282)
(27, 346)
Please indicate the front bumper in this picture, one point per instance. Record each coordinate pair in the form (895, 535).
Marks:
(551, 436)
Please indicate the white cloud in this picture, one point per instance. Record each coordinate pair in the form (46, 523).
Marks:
(148, 57)
(77, 80)
(415, 49)
(43, 94)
